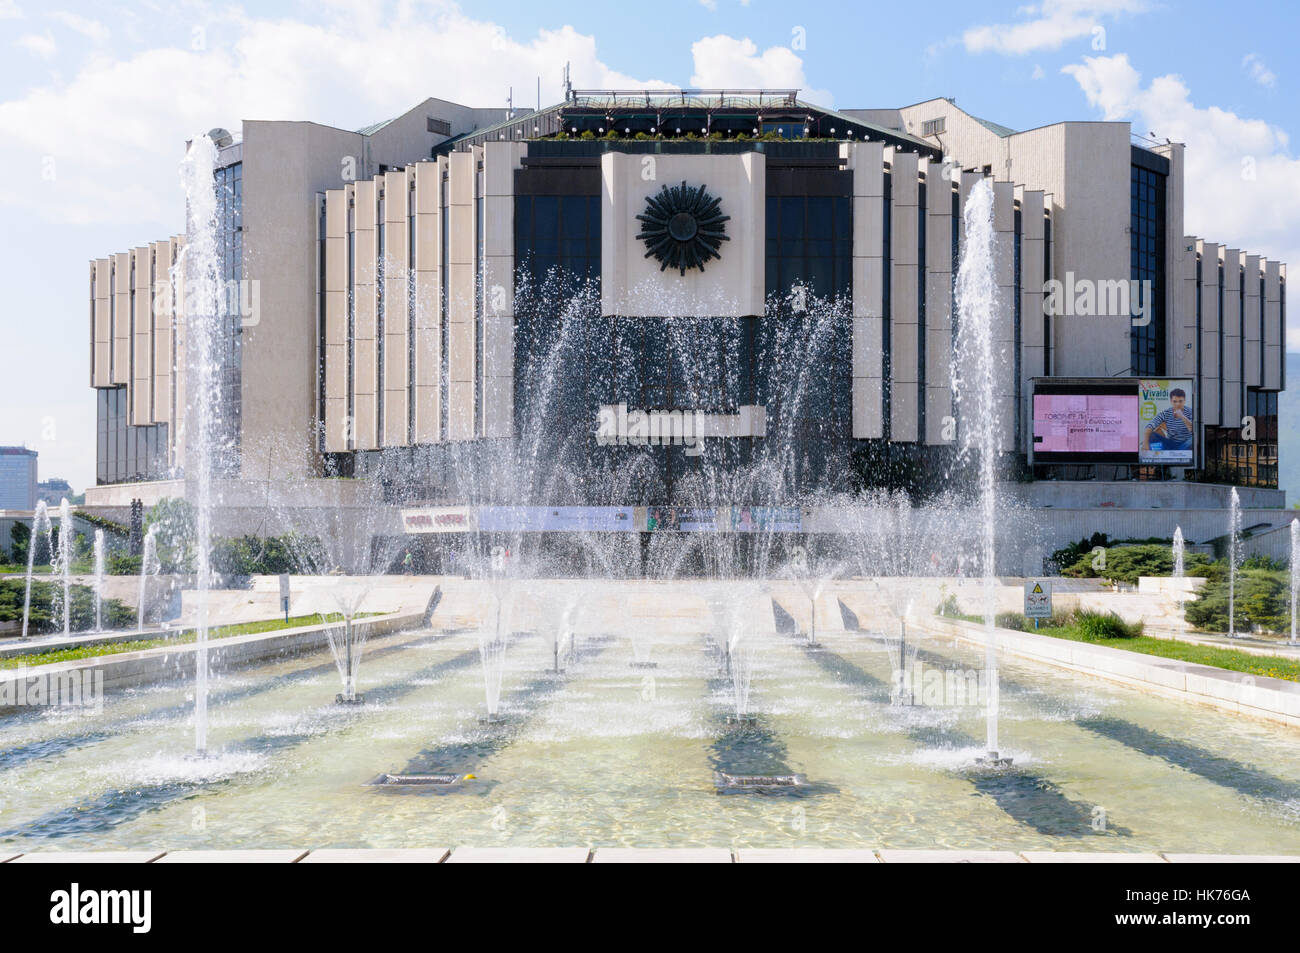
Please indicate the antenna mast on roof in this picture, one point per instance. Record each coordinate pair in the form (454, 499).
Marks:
(510, 102)
(568, 87)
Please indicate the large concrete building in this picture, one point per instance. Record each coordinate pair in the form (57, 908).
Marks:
(412, 291)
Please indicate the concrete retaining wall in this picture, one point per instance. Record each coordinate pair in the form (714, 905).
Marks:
(1272, 699)
(131, 669)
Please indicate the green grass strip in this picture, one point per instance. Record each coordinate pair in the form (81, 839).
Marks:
(1269, 666)
(95, 650)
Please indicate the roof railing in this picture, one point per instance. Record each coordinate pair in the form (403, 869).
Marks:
(666, 96)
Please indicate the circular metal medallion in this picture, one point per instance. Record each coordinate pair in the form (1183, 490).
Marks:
(683, 227)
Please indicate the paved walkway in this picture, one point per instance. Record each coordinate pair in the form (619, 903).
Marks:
(626, 855)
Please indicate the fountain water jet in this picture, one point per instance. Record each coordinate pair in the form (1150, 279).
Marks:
(41, 515)
(206, 331)
(99, 580)
(148, 566)
(1295, 574)
(1179, 571)
(347, 642)
(1234, 543)
(492, 653)
(63, 564)
(978, 361)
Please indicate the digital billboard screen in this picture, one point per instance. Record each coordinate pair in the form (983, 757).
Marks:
(1124, 421)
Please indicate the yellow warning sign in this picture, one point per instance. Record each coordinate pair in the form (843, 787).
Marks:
(1038, 599)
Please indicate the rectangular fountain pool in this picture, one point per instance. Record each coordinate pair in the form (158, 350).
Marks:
(604, 753)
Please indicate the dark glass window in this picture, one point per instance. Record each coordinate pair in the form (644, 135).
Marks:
(810, 243)
(125, 453)
(557, 251)
(1147, 267)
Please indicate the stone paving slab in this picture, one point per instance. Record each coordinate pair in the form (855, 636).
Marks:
(1085, 857)
(519, 855)
(805, 855)
(665, 855)
(231, 856)
(1231, 858)
(89, 857)
(950, 857)
(416, 855)
(632, 855)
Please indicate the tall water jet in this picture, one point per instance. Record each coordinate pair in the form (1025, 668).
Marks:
(204, 316)
(498, 568)
(99, 580)
(977, 359)
(735, 639)
(347, 641)
(492, 654)
(148, 566)
(63, 564)
(1234, 542)
(39, 517)
(1179, 571)
(1295, 573)
(740, 655)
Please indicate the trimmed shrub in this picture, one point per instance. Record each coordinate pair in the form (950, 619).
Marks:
(44, 616)
(1095, 626)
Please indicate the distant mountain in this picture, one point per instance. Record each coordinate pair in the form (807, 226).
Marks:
(1288, 431)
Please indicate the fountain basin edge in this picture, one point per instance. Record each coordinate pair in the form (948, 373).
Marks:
(169, 663)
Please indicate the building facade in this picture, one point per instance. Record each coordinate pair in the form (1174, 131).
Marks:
(604, 285)
(17, 478)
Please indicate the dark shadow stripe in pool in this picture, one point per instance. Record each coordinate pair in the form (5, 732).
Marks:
(111, 808)
(19, 755)
(752, 748)
(1217, 769)
(1023, 794)
(470, 755)
(1226, 772)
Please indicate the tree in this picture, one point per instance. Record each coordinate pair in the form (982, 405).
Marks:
(20, 537)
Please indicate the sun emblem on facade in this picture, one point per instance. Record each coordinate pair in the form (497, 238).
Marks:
(683, 227)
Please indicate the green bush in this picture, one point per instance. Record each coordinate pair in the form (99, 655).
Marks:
(122, 564)
(268, 555)
(1262, 598)
(1127, 563)
(1013, 620)
(46, 618)
(1067, 556)
(1095, 626)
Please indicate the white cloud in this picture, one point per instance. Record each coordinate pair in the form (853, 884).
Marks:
(38, 44)
(9, 10)
(711, 5)
(91, 29)
(115, 128)
(724, 62)
(1255, 68)
(1052, 24)
(1239, 176)
(1037, 73)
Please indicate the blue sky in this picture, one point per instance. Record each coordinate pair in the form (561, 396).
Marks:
(96, 100)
